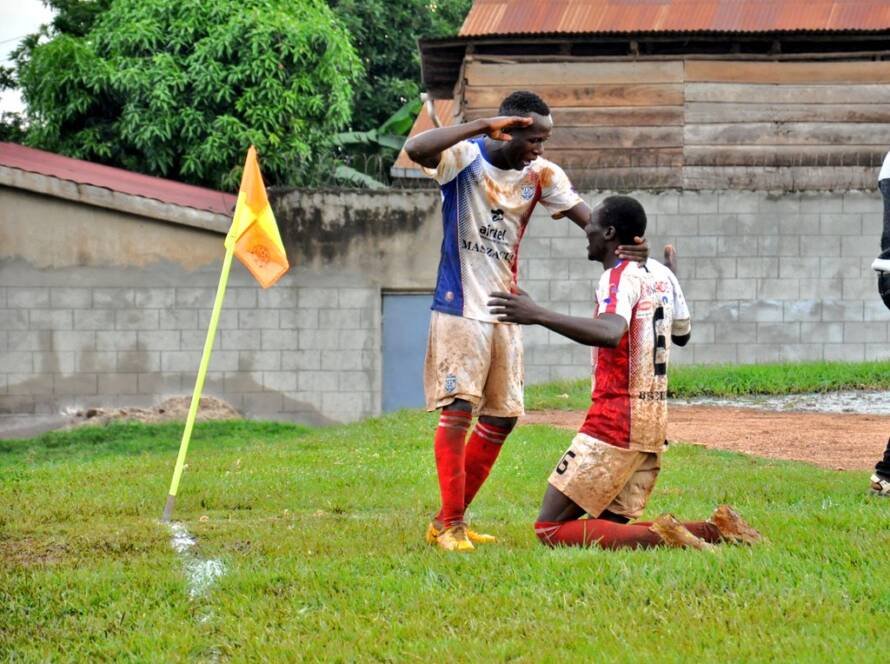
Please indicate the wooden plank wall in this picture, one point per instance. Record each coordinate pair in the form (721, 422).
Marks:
(703, 123)
(613, 121)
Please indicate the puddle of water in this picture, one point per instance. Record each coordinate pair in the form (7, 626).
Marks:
(867, 403)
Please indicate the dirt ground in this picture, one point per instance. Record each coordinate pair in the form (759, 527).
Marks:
(174, 408)
(831, 440)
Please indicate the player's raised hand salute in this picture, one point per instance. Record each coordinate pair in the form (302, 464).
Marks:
(495, 127)
(426, 148)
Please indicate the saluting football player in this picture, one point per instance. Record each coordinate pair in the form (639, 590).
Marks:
(610, 468)
(492, 175)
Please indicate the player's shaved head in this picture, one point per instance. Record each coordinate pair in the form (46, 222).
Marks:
(524, 103)
(626, 214)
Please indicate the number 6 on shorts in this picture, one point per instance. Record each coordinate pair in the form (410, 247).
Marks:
(564, 462)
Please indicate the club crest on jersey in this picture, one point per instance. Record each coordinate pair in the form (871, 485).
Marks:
(527, 192)
(450, 383)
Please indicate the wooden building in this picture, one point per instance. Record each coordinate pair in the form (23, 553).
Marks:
(693, 94)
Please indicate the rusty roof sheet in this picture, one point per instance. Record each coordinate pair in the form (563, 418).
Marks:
(505, 17)
(445, 113)
(115, 179)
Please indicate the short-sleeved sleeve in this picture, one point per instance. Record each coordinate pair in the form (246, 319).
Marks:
(618, 293)
(557, 194)
(453, 161)
(682, 324)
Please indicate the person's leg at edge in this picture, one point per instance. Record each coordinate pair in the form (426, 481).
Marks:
(882, 467)
(880, 481)
(882, 262)
(884, 186)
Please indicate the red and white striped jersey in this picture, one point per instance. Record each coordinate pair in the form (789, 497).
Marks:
(629, 387)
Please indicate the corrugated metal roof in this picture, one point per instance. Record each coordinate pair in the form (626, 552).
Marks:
(445, 113)
(115, 179)
(504, 17)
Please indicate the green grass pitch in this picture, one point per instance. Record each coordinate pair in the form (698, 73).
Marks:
(321, 533)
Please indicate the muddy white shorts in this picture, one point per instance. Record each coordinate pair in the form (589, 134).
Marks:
(598, 476)
(475, 361)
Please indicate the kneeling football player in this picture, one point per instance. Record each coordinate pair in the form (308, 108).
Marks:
(610, 468)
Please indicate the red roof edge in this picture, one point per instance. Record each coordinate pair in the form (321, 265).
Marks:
(79, 171)
(532, 17)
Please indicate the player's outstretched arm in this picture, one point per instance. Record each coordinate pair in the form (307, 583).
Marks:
(605, 330)
(426, 148)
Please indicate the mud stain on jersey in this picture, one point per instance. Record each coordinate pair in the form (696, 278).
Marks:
(546, 177)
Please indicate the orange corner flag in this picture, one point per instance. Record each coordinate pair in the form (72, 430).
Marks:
(254, 233)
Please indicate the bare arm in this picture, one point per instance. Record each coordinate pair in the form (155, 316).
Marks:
(605, 330)
(580, 215)
(426, 148)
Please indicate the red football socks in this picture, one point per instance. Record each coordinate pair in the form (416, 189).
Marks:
(449, 445)
(701, 529)
(611, 535)
(485, 444)
(595, 532)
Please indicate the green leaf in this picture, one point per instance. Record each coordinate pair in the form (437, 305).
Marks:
(401, 121)
(349, 175)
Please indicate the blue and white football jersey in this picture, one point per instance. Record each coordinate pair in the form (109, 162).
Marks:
(485, 211)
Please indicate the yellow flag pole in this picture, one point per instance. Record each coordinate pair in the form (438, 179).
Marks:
(199, 381)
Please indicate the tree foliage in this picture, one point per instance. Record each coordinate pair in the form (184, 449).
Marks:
(181, 88)
(385, 34)
(365, 157)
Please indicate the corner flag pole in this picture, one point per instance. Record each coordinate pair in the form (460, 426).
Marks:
(199, 382)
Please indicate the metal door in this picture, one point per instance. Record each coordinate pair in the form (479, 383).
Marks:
(406, 319)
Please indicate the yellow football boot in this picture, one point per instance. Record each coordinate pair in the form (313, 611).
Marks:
(454, 538)
(435, 528)
(480, 538)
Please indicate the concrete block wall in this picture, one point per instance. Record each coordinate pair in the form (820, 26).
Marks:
(770, 277)
(305, 350)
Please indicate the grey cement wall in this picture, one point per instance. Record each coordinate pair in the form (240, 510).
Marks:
(99, 308)
(104, 308)
(304, 350)
(770, 277)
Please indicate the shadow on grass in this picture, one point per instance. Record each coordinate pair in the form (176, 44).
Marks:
(132, 438)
